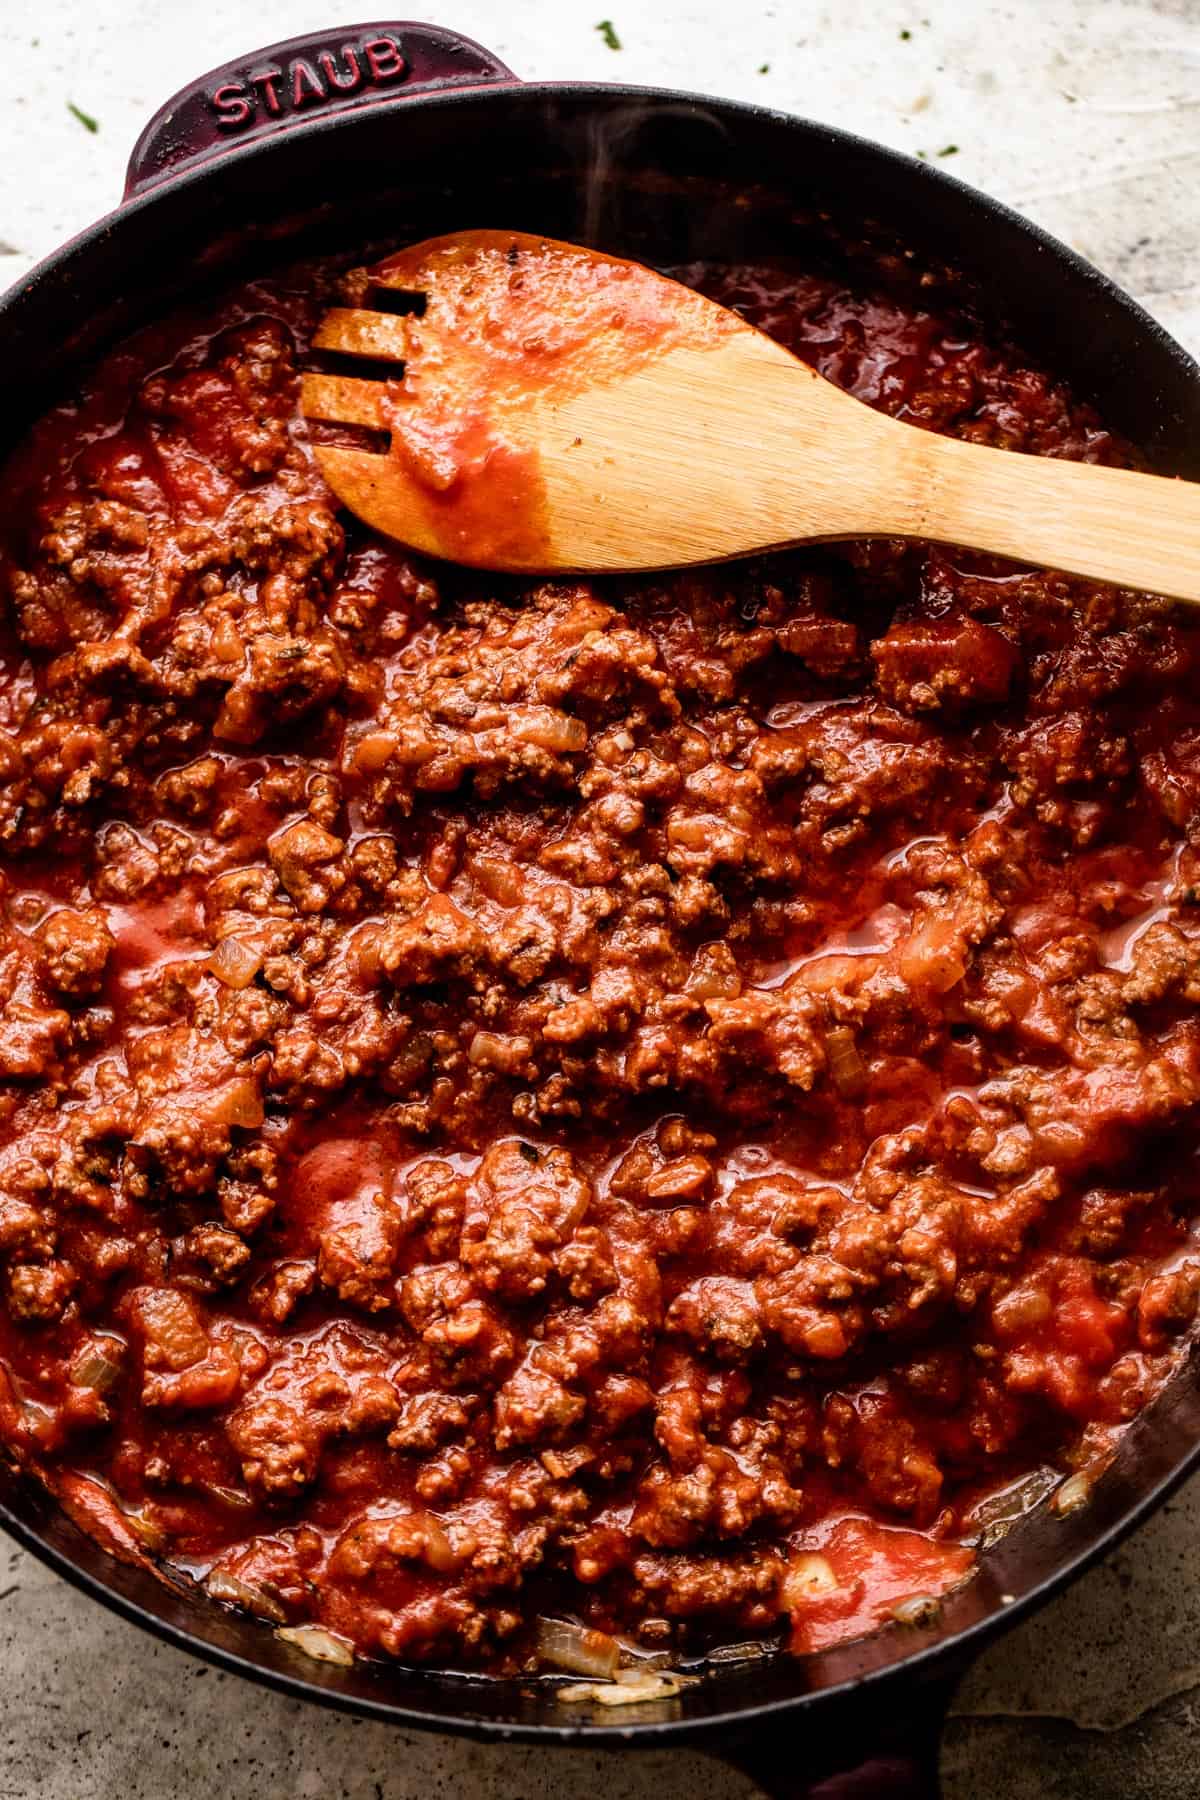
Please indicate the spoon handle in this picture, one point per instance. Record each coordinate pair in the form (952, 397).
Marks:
(1139, 531)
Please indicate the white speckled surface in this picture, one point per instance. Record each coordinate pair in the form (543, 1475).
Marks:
(1082, 113)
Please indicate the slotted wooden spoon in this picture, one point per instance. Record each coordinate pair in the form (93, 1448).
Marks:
(550, 409)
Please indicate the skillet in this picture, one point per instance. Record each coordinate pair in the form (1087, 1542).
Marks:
(308, 146)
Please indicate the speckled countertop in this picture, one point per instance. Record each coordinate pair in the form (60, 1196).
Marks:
(1081, 113)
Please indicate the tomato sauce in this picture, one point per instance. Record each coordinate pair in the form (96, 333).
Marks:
(512, 322)
(658, 1102)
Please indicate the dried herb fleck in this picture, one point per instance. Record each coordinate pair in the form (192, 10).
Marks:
(85, 119)
(950, 150)
(608, 32)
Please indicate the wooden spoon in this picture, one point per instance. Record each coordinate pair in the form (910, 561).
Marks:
(561, 410)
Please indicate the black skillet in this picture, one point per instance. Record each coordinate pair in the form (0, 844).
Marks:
(406, 130)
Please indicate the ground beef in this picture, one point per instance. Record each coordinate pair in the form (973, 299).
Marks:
(643, 1099)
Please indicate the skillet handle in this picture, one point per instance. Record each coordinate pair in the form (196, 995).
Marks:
(886, 1749)
(325, 72)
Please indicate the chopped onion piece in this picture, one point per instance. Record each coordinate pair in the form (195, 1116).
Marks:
(321, 1645)
(98, 1365)
(917, 1609)
(366, 945)
(631, 1688)
(224, 1586)
(437, 1549)
(847, 1070)
(234, 963)
(565, 1645)
(808, 1578)
(492, 1050)
(1075, 1492)
(548, 729)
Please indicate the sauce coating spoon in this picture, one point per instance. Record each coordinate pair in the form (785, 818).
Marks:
(544, 408)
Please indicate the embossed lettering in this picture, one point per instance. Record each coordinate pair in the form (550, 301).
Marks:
(337, 84)
(266, 85)
(383, 58)
(303, 83)
(231, 105)
(306, 84)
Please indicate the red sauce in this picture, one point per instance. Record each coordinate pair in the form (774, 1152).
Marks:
(513, 322)
(576, 1098)
(860, 1574)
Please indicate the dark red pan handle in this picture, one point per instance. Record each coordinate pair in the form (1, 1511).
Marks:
(328, 71)
(886, 1749)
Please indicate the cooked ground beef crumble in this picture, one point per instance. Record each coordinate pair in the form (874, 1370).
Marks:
(645, 1100)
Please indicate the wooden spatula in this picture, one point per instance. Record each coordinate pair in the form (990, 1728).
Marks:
(551, 409)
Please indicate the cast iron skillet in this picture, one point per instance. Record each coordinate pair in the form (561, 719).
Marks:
(407, 130)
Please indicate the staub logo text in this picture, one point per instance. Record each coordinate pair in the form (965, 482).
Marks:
(304, 81)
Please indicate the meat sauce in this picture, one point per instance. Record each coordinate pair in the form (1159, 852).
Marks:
(647, 1101)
